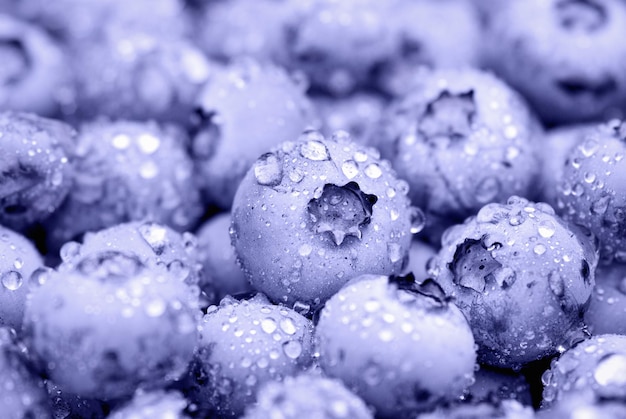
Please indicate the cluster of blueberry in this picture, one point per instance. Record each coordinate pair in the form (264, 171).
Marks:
(312, 209)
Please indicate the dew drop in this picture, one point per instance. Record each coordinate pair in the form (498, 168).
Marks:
(268, 325)
(487, 189)
(121, 141)
(611, 371)
(305, 250)
(314, 150)
(556, 284)
(418, 220)
(148, 143)
(600, 206)
(69, 251)
(350, 169)
(155, 235)
(292, 348)
(268, 170)
(373, 171)
(539, 249)
(148, 170)
(394, 251)
(11, 280)
(18, 263)
(287, 326)
(155, 307)
(360, 156)
(546, 229)
(589, 147)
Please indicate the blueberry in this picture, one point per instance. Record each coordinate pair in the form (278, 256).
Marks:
(595, 366)
(307, 396)
(243, 345)
(34, 75)
(274, 108)
(150, 77)
(67, 405)
(18, 260)
(522, 278)
(582, 404)
(35, 167)
(151, 405)
(397, 343)
(507, 409)
(498, 385)
(593, 192)
(432, 33)
(462, 139)
(153, 243)
(23, 394)
(323, 211)
(127, 171)
(551, 60)
(357, 114)
(217, 254)
(112, 324)
(608, 301)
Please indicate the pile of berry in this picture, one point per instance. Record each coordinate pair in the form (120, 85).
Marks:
(312, 209)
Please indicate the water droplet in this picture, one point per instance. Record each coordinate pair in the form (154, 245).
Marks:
(578, 190)
(148, 143)
(611, 370)
(121, 141)
(418, 220)
(589, 147)
(314, 150)
(394, 251)
(372, 374)
(268, 325)
(268, 170)
(556, 284)
(11, 280)
(360, 156)
(69, 251)
(600, 206)
(350, 169)
(292, 348)
(510, 132)
(487, 189)
(155, 235)
(305, 250)
(539, 249)
(394, 214)
(149, 170)
(546, 229)
(155, 307)
(589, 177)
(18, 263)
(39, 276)
(373, 171)
(296, 176)
(287, 326)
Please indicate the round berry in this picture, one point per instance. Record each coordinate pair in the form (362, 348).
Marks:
(23, 395)
(462, 139)
(522, 278)
(127, 171)
(34, 73)
(148, 77)
(593, 188)
(217, 254)
(397, 343)
(112, 324)
(506, 409)
(323, 211)
(581, 404)
(596, 366)
(243, 345)
(18, 260)
(35, 167)
(307, 396)
(244, 110)
(568, 62)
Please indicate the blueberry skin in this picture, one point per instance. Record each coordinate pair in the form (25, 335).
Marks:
(18, 260)
(36, 170)
(557, 145)
(67, 405)
(608, 301)
(497, 385)
(127, 171)
(431, 33)
(592, 192)
(153, 76)
(153, 404)
(243, 345)
(153, 243)
(593, 368)
(402, 351)
(507, 409)
(462, 139)
(112, 324)
(307, 396)
(217, 255)
(579, 403)
(521, 277)
(35, 75)
(568, 62)
(274, 108)
(323, 211)
(23, 394)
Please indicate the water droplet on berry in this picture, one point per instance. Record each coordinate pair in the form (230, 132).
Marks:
(155, 307)
(487, 189)
(155, 235)
(589, 147)
(394, 251)
(148, 143)
(305, 250)
(69, 251)
(268, 170)
(546, 229)
(18, 263)
(350, 169)
(373, 171)
(539, 249)
(314, 150)
(149, 170)
(418, 220)
(121, 141)
(292, 348)
(11, 280)
(611, 370)
(287, 325)
(268, 325)
(39, 276)
(556, 283)
(600, 206)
